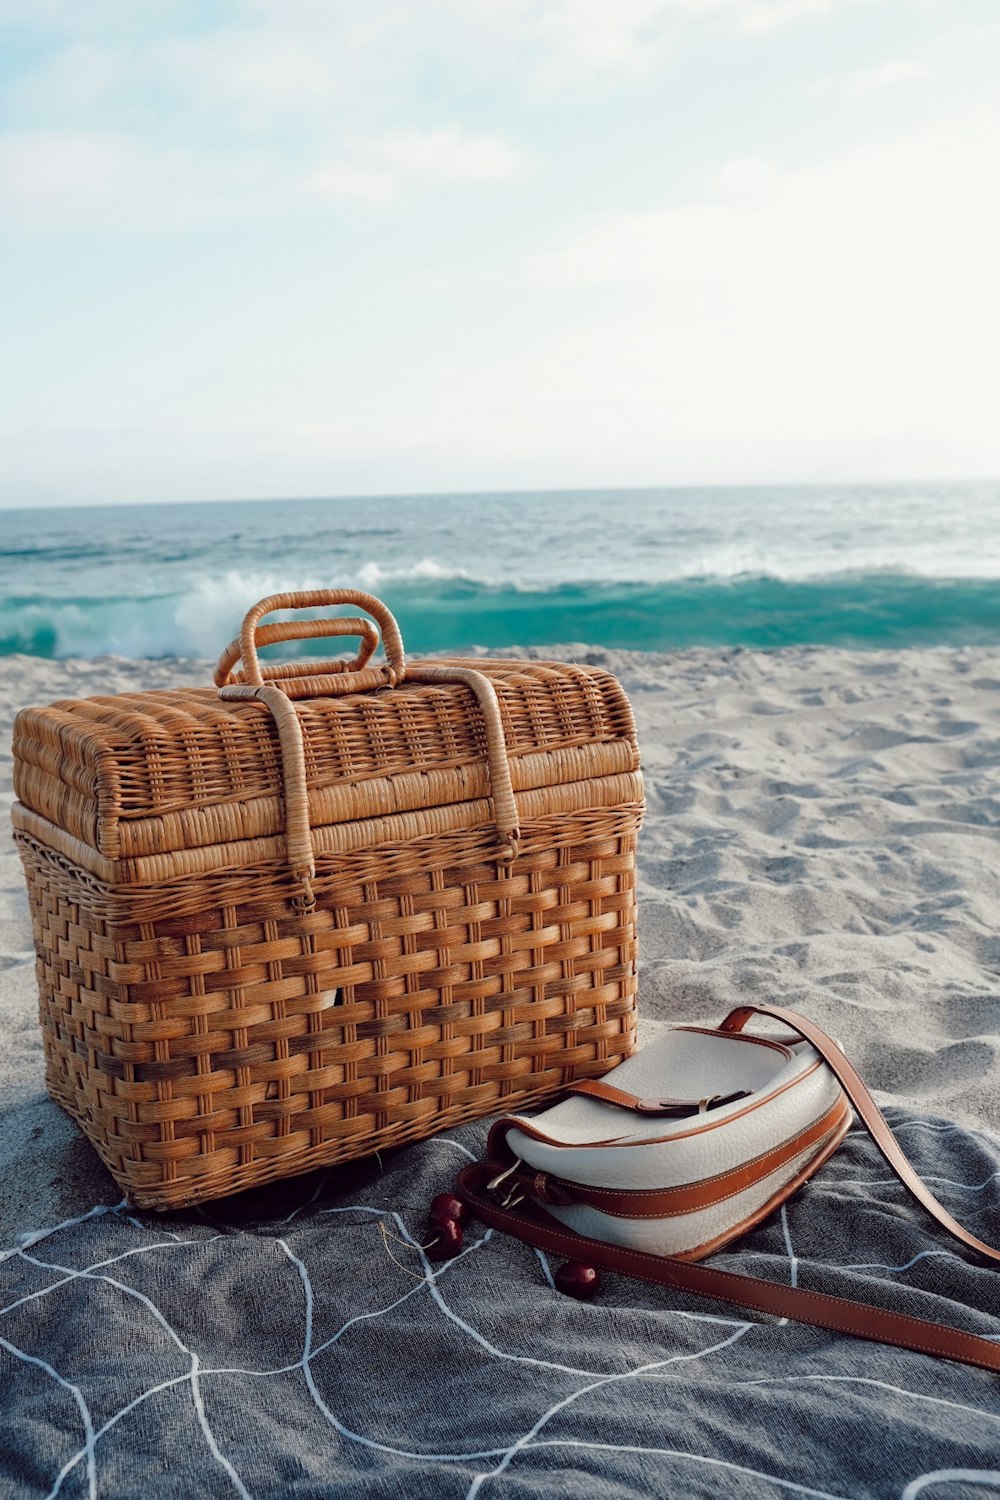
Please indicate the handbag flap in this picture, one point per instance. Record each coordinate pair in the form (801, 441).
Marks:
(787, 1087)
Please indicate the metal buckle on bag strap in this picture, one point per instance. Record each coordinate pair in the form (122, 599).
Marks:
(606, 1093)
(680, 1108)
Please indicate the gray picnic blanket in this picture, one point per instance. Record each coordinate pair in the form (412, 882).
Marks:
(295, 1341)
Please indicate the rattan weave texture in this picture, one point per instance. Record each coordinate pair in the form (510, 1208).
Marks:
(279, 932)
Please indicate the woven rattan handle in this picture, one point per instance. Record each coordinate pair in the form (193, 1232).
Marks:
(274, 686)
(300, 630)
(501, 786)
(315, 679)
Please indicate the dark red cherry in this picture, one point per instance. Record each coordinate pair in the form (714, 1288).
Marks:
(445, 1238)
(577, 1280)
(447, 1206)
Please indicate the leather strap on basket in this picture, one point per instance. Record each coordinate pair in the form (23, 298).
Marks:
(275, 686)
(840, 1314)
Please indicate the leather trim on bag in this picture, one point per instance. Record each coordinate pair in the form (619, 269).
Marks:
(875, 1123)
(498, 1149)
(762, 1041)
(596, 1088)
(688, 1197)
(807, 1170)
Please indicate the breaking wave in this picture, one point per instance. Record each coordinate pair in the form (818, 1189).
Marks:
(442, 610)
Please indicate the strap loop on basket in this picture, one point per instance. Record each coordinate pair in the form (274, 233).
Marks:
(501, 788)
(298, 835)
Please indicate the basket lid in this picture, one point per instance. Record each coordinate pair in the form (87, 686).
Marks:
(142, 786)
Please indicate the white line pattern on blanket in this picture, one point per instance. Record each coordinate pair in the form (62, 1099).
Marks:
(951, 1476)
(280, 1370)
(172, 1333)
(507, 1457)
(883, 1385)
(693, 1458)
(793, 1265)
(88, 1422)
(585, 1390)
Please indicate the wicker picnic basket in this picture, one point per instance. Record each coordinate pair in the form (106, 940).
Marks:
(329, 907)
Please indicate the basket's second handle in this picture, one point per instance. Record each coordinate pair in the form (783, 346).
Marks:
(315, 679)
(298, 832)
(300, 630)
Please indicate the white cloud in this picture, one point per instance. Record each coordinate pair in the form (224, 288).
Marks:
(769, 15)
(300, 58)
(888, 74)
(287, 104)
(746, 177)
(416, 159)
(68, 179)
(781, 320)
(849, 307)
(57, 18)
(570, 41)
(452, 154)
(61, 179)
(73, 81)
(340, 180)
(249, 74)
(52, 176)
(50, 164)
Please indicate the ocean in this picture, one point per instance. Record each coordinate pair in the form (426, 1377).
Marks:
(858, 566)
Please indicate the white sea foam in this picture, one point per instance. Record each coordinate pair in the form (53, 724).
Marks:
(91, 586)
(207, 617)
(373, 575)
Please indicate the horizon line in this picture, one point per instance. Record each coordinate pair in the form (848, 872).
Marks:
(468, 494)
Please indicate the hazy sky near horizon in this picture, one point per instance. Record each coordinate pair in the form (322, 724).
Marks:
(278, 247)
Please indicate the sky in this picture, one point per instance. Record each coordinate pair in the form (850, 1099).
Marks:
(258, 248)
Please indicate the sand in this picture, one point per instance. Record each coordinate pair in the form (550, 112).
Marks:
(822, 831)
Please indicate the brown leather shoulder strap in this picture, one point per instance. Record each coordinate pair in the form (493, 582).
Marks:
(870, 1114)
(877, 1324)
(798, 1303)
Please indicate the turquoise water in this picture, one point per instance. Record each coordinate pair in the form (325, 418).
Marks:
(890, 565)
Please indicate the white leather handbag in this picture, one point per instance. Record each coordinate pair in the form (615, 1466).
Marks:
(686, 1145)
(683, 1147)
